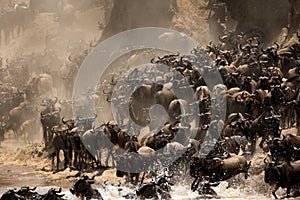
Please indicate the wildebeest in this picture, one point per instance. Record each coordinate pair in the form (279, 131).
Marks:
(217, 169)
(52, 195)
(27, 193)
(261, 127)
(129, 161)
(18, 115)
(285, 149)
(2, 130)
(82, 188)
(144, 97)
(60, 141)
(50, 117)
(11, 195)
(95, 142)
(284, 175)
(85, 123)
(160, 187)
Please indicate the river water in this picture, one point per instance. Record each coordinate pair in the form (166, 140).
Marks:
(26, 166)
(17, 177)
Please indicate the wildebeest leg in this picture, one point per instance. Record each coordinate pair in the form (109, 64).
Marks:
(274, 191)
(14, 129)
(110, 154)
(247, 169)
(288, 191)
(195, 184)
(45, 136)
(98, 158)
(57, 160)
(53, 164)
(298, 121)
(252, 146)
(75, 161)
(50, 136)
(67, 156)
(136, 176)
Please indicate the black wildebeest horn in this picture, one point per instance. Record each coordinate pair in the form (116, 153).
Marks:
(71, 58)
(113, 81)
(211, 43)
(7, 61)
(240, 47)
(93, 43)
(104, 92)
(92, 177)
(33, 188)
(60, 195)
(177, 54)
(277, 45)
(222, 39)
(63, 121)
(43, 102)
(108, 99)
(58, 191)
(56, 112)
(45, 115)
(152, 61)
(263, 50)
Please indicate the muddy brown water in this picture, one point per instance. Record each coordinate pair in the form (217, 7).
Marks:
(19, 166)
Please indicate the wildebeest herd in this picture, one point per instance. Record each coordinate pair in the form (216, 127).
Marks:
(20, 16)
(81, 188)
(261, 91)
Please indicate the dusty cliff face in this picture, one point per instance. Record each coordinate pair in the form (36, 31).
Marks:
(130, 14)
(264, 17)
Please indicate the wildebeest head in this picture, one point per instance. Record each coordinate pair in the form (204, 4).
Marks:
(82, 186)
(70, 123)
(11, 195)
(52, 194)
(85, 123)
(272, 173)
(51, 109)
(26, 191)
